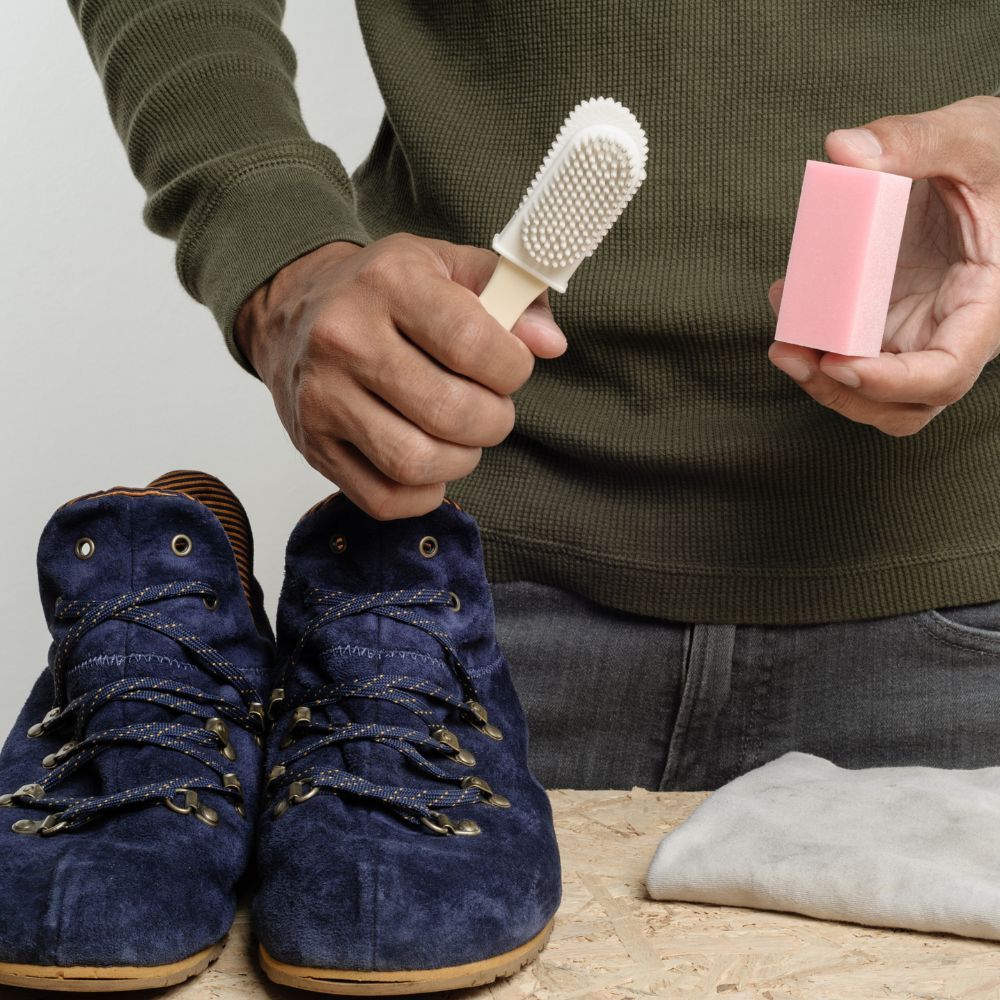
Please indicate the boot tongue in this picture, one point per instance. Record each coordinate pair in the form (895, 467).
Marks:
(336, 547)
(135, 538)
(119, 541)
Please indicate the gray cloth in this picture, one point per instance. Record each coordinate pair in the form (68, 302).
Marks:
(911, 847)
(615, 700)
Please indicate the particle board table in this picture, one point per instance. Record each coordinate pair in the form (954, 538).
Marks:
(611, 942)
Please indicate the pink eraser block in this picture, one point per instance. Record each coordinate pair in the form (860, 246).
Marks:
(842, 259)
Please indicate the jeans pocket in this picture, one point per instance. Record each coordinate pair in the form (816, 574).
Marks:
(977, 625)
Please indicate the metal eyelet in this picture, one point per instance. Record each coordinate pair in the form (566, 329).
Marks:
(277, 697)
(219, 729)
(297, 794)
(51, 824)
(257, 713)
(428, 546)
(439, 822)
(454, 604)
(211, 602)
(493, 798)
(481, 721)
(233, 781)
(444, 735)
(181, 545)
(301, 717)
(192, 805)
(452, 747)
(277, 772)
(338, 544)
(32, 792)
(85, 548)
(55, 759)
(38, 729)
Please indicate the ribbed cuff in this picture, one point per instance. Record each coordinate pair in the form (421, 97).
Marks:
(263, 218)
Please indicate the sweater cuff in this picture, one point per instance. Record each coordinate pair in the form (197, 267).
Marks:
(255, 224)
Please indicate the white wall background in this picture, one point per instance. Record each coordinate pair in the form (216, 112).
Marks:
(111, 374)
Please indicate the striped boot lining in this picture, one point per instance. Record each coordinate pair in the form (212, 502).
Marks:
(219, 499)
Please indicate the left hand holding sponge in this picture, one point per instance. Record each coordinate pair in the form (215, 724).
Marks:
(943, 323)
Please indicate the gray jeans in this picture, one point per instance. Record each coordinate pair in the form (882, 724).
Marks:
(616, 700)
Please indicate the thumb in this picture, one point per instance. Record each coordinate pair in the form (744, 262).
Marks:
(473, 267)
(943, 142)
(538, 329)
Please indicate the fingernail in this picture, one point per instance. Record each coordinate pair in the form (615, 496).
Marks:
(844, 375)
(860, 140)
(794, 368)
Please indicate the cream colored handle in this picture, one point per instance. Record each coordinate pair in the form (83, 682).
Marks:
(509, 292)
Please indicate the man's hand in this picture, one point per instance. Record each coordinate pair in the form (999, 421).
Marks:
(943, 324)
(388, 374)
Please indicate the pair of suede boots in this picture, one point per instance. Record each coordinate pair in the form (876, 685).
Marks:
(368, 770)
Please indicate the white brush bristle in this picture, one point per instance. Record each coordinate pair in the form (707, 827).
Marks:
(579, 202)
(590, 173)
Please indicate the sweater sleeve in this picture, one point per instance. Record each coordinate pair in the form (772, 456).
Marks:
(202, 96)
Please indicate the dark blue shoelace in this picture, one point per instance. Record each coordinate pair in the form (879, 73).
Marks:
(425, 700)
(209, 743)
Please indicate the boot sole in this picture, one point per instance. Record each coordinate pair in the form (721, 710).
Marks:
(358, 983)
(107, 979)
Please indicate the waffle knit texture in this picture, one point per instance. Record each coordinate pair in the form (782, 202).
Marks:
(662, 465)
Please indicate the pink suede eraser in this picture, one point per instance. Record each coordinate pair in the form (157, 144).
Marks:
(843, 259)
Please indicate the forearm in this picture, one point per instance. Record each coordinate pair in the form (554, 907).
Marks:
(203, 99)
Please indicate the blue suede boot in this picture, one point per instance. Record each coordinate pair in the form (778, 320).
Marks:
(405, 847)
(132, 775)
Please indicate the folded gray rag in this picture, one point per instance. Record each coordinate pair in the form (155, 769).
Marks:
(913, 847)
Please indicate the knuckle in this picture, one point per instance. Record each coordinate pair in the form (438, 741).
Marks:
(953, 392)
(462, 340)
(468, 463)
(514, 371)
(838, 399)
(378, 268)
(916, 133)
(386, 503)
(446, 409)
(411, 460)
(322, 457)
(398, 239)
(505, 421)
(332, 340)
(494, 421)
(381, 503)
(960, 381)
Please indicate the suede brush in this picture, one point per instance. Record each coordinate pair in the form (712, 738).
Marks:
(590, 173)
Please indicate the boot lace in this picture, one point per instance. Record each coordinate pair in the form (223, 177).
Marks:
(208, 743)
(297, 773)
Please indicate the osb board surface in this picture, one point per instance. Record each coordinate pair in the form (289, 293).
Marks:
(611, 943)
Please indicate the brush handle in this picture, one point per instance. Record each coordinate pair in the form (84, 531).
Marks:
(509, 292)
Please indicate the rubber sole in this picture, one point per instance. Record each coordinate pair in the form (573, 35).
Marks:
(110, 979)
(354, 983)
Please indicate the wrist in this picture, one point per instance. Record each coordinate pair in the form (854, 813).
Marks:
(253, 324)
(246, 327)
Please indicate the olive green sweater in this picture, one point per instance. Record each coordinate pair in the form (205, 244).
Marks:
(662, 465)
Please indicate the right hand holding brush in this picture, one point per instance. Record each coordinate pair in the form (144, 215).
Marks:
(387, 372)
